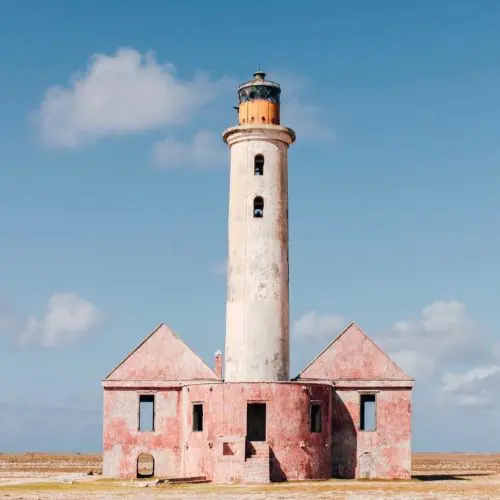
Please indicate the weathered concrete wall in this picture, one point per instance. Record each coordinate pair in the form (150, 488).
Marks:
(354, 364)
(123, 442)
(384, 453)
(162, 356)
(296, 453)
(257, 311)
(353, 355)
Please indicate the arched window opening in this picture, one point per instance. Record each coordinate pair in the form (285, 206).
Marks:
(252, 120)
(258, 165)
(263, 119)
(258, 207)
(145, 465)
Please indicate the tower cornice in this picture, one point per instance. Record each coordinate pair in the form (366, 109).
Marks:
(251, 132)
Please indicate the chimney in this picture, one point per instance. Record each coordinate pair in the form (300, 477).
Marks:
(218, 364)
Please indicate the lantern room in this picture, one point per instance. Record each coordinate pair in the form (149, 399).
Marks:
(259, 101)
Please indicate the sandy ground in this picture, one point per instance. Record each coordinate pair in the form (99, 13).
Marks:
(65, 477)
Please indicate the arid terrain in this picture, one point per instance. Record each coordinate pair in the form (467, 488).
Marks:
(36, 476)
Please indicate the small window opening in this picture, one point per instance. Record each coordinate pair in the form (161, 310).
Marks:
(368, 413)
(197, 417)
(146, 413)
(258, 165)
(226, 449)
(263, 119)
(258, 207)
(315, 417)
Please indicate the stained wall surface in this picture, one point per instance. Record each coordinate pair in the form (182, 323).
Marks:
(296, 452)
(123, 442)
(355, 365)
(257, 309)
(353, 356)
(162, 356)
(384, 453)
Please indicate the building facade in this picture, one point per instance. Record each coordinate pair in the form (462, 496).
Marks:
(347, 414)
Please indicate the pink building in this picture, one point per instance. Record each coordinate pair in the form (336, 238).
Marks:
(347, 414)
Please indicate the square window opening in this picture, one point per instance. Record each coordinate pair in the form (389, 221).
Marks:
(226, 449)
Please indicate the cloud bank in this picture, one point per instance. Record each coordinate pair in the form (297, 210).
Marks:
(442, 348)
(123, 93)
(67, 318)
(129, 93)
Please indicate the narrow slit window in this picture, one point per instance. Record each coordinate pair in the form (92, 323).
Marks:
(368, 413)
(315, 417)
(258, 207)
(258, 165)
(197, 417)
(146, 413)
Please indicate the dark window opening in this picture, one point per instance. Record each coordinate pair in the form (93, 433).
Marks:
(368, 413)
(146, 412)
(258, 207)
(316, 417)
(226, 449)
(258, 165)
(256, 421)
(197, 417)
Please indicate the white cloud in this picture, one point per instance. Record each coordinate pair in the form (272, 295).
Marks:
(444, 316)
(442, 333)
(204, 150)
(118, 94)
(413, 362)
(298, 112)
(441, 339)
(456, 381)
(473, 388)
(67, 318)
(315, 325)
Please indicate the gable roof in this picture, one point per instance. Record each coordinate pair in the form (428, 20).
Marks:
(162, 355)
(353, 356)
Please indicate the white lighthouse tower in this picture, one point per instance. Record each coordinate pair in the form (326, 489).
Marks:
(257, 310)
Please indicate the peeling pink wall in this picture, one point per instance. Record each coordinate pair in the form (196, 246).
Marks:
(288, 408)
(123, 442)
(162, 356)
(353, 355)
(354, 364)
(389, 446)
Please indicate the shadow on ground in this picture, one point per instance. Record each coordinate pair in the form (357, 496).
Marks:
(448, 477)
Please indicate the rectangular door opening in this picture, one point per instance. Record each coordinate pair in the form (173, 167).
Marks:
(256, 421)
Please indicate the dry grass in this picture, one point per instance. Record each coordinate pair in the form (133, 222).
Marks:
(40, 476)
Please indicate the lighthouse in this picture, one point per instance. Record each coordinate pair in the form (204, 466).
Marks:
(257, 305)
(168, 414)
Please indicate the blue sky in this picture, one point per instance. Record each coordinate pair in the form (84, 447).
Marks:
(114, 195)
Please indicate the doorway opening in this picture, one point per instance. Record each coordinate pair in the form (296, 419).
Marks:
(145, 465)
(256, 421)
